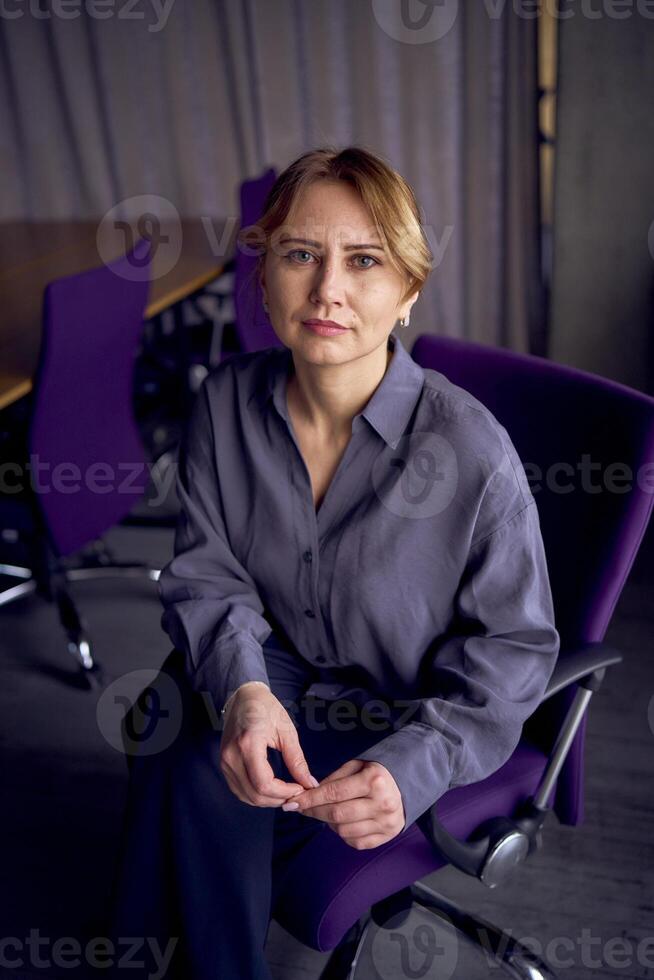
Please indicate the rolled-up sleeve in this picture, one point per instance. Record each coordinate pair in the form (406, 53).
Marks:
(483, 678)
(212, 611)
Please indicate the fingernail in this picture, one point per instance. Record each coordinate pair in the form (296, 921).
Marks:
(314, 782)
(290, 806)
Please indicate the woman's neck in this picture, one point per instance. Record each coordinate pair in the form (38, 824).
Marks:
(325, 398)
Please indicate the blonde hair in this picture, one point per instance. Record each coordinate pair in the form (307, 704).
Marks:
(388, 197)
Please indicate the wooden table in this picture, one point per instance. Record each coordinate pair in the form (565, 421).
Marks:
(32, 254)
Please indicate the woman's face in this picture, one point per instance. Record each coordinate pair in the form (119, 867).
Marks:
(313, 271)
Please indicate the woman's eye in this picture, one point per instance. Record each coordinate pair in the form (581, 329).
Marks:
(298, 251)
(370, 258)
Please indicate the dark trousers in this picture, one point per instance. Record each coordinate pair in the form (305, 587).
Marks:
(198, 869)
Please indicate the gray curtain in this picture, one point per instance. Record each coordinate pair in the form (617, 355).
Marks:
(191, 96)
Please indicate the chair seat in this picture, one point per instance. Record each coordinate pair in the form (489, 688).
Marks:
(319, 908)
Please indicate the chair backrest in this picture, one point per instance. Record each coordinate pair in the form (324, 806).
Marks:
(587, 445)
(83, 434)
(253, 328)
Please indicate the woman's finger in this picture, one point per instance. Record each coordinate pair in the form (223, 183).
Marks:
(244, 784)
(350, 811)
(358, 830)
(372, 840)
(259, 773)
(241, 787)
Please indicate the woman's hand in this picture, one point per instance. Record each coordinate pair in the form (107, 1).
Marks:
(254, 720)
(360, 801)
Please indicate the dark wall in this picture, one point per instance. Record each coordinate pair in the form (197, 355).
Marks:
(603, 278)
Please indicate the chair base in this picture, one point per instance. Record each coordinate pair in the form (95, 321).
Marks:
(342, 964)
(25, 584)
(79, 643)
(504, 951)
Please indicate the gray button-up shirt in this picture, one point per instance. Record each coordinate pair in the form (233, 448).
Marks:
(423, 572)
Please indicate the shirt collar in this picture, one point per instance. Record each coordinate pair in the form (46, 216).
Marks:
(388, 410)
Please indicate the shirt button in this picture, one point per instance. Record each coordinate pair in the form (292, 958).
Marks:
(320, 659)
(307, 556)
(310, 613)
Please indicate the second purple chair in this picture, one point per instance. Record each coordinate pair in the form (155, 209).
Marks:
(253, 328)
(84, 465)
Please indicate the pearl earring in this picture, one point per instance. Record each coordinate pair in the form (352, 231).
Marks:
(404, 322)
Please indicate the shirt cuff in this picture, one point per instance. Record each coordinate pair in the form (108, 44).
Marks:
(417, 758)
(228, 666)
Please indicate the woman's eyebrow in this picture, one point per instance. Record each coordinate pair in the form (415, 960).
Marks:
(346, 248)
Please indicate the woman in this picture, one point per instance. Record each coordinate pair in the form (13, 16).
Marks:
(355, 532)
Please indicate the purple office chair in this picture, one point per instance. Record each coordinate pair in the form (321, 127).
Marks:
(253, 329)
(332, 896)
(89, 467)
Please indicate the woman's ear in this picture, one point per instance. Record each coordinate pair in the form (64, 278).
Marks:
(409, 303)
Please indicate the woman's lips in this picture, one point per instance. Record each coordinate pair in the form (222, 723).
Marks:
(322, 328)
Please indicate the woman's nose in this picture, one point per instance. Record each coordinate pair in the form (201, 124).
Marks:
(328, 284)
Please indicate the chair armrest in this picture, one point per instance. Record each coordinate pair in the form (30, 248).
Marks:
(574, 664)
(492, 851)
